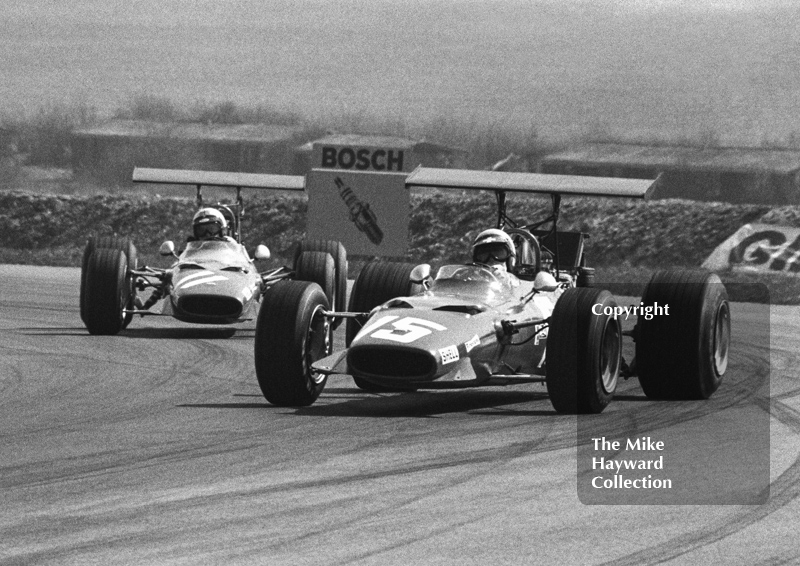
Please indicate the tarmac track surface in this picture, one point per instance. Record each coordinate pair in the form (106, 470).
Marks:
(156, 446)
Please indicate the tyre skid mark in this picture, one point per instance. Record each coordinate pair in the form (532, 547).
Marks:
(783, 491)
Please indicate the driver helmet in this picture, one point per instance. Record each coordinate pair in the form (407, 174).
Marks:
(495, 248)
(209, 223)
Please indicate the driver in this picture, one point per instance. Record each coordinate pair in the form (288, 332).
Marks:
(494, 248)
(209, 224)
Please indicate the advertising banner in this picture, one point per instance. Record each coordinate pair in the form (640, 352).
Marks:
(368, 212)
(363, 157)
(758, 247)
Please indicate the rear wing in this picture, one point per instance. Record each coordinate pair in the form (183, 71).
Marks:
(567, 254)
(219, 179)
(239, 181)
(540, 183)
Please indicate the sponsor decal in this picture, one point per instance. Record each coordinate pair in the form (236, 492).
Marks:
(472, 343)
(449, 354)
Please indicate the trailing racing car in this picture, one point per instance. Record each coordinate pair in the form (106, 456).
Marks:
(213, 280)
(537, 318)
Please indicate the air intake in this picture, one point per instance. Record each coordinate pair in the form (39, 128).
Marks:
(210, 305)
(391, 363)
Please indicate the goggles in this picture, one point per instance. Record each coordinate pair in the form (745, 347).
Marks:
(498, 252)
(208, 230)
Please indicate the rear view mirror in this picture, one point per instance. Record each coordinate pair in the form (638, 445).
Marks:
(421, 275)
(545, 282)
(167, 248)
(261, 252)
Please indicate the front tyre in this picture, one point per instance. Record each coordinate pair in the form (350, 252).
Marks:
(291, 334)
(584, 351)
(115, 243)
(683, 353)
(108, 291)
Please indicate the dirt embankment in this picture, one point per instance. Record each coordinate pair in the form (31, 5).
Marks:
(628, 238)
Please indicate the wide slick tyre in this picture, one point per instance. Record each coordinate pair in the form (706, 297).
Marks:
(683, 353)
(378, 282)
(107, 291)
(339, 255)
(584, 351)
(319, 268)
(291, 334)
(115, 243)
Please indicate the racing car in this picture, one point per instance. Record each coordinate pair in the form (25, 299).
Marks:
(542, 321)
(213, 280)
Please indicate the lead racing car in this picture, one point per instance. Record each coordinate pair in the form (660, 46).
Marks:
(540, 319)
(214, 279)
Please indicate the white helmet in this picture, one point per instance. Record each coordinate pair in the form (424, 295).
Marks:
(209, 223)
(494, 245)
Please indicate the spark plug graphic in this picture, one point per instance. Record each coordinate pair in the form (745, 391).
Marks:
(360, 213)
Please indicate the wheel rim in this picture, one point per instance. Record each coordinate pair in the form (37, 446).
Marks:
(722, 337)
(610, 356)
(317, 343)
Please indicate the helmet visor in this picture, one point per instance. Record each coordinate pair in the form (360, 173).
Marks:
(488, 252)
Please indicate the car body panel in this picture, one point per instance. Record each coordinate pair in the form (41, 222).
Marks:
(451, 335)
(213, 282)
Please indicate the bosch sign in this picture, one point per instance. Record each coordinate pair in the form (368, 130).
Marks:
(362, 159)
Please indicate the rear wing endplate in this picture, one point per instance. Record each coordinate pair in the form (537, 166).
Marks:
(219, 179)
(540, 183)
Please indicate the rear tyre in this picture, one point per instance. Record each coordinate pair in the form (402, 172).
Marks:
(291, 334)
(115, 243)
(584, 352)
(319, 268)
(684, 354)
(378, 282)
(339, 255)
(107, 291)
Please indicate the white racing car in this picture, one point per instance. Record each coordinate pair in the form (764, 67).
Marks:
(214, 279)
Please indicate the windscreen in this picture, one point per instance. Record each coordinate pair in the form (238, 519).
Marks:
(219, 251)
(472, 283)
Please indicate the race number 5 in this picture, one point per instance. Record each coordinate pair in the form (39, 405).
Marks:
(407, 329)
